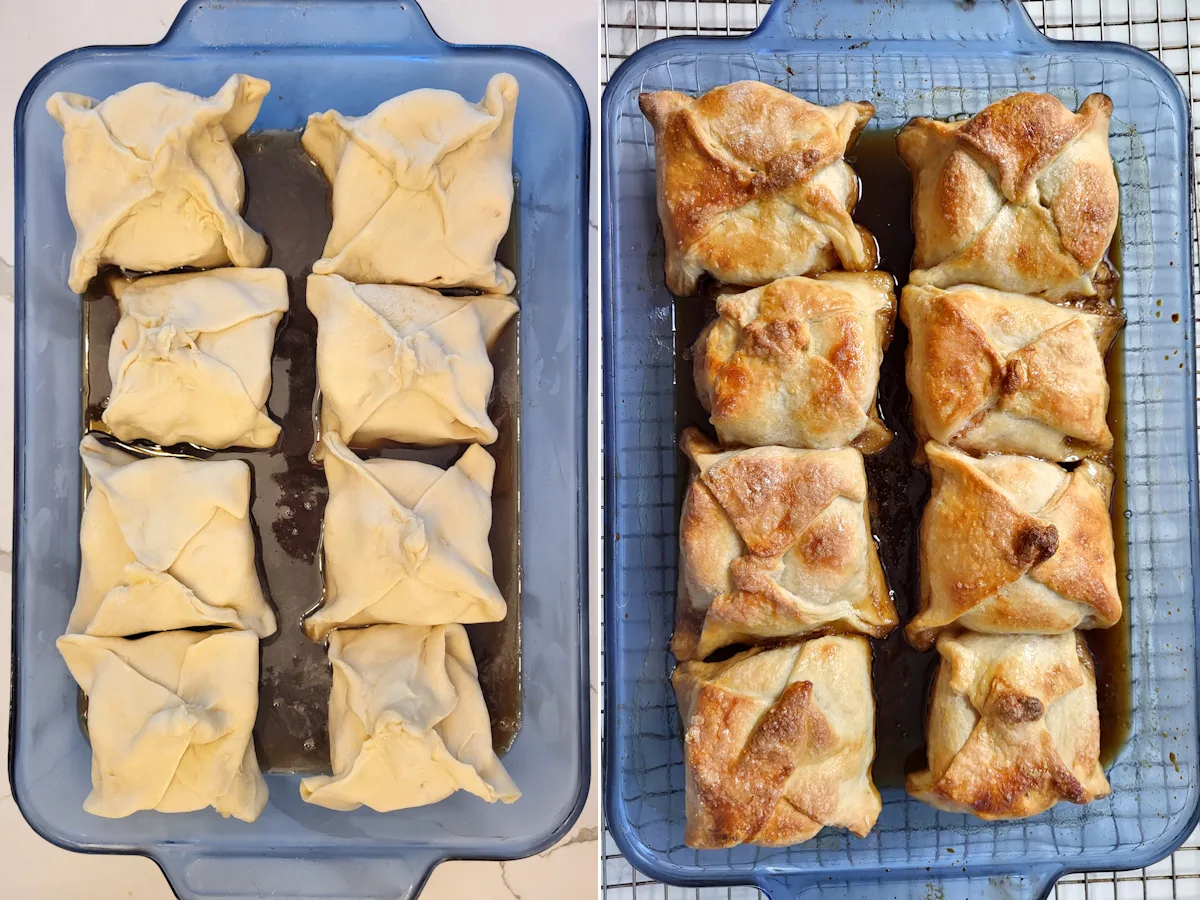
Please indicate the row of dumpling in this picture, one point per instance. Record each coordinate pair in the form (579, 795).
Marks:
(775, 533)
(167, 542)
(1010, 319)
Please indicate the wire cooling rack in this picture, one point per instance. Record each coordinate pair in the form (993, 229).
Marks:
(1169, 29)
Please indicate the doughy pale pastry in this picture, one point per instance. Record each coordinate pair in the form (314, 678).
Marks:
(1011, 544)
(997, 372)
(406, 542)
(796, 363)
(170, 718)
(166, 543)
(1021, 197)
(753, 186)
(775, 543)
(778, 743)
(190, 360)
(407, 722)
(404, 363)
(152, 179)
(422, 188)
(1013, 726)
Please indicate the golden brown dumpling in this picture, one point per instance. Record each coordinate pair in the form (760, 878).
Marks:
(1021, 197)
(774, 543)
(1014, 544)
(753, 186)
(997, 372)
(779, 743)
(796, 363)
(1013, 727)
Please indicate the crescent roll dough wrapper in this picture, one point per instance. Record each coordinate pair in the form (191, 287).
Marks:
(406, 542)
(407, 722)
(171, 722)
(166, 543)
(422, 188)
(190, 360)
(404, 363)
(153, 182)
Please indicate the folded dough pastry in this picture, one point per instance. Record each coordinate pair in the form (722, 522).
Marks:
(997, 372)
(404, 363)
(1013, 726)
(775, 543)
(170, 718)
(166, 543)
(152, 179)
(422, 188)
(190, 360)
(778, 743)
(753, 186)
(1014, 544)
(1021, 197)
(406, 542)
(796, 363)
(407, 722)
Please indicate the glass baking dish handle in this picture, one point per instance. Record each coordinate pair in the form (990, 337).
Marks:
(396, 24)
(1031, 884)
(845, 22)
(196, 875)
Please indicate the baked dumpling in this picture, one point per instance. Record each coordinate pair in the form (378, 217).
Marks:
(1011, 544)
(1013, 726)
(404, 363)
(422, 188)
(997, 372)
(775, 543)
(407, 722)
(170, 718)
(152, 179)
(190, 360)
(753, 185)
(1021, 197)
(406, 542)
(166, 543)
(778, 743)
(796, 363)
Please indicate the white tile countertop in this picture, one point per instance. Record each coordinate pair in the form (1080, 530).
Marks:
(33, 34)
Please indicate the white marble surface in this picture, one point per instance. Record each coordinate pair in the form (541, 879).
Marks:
(33, 34)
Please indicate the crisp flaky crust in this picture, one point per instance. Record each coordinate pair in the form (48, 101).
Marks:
(1011, 544)
(775, 543)
(1021, 197)
(1013, 727)
(778, 743)
(752, 185)
(991, 371)
(796, 363)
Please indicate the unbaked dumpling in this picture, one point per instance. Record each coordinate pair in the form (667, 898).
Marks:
(796, 363)
(1013, 726)
(778, 743)
(406, 542)
(153, 182)
(404, 363)
(753, 185)
(407, 722)
(1021, 197)
(775, 543)
(170, 718)
(166, 543)
(422, 188)
(190, 360)
(1014, 544)
(997, 372)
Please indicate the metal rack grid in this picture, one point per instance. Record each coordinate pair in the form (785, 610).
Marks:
(1169, 29)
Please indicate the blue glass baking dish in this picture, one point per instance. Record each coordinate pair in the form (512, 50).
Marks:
(317, 55)
(932, 58)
